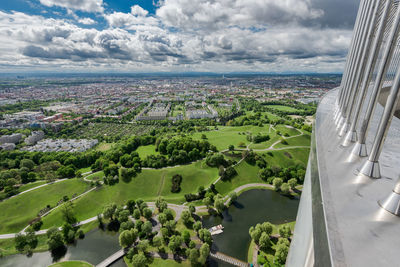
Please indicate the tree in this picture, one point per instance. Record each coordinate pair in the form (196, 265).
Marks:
(136, 214)
(175, 243)
(220, 204)
(277, 182)
(186, 217)
(281, 252)
(68, 213)
(285, 188)
(143, 245)
(123, 216)
(130, 205)
(147, 213)
(232, 197)
(292, 183)
(157, 242)
(193, 256)
(204, 252)
(139, 260)
(197, 226)
(55, 239)
(192, 208)
(255, 233)
(27, 163)
(162, 218)
(147, 228)
(20, 242)
(208, 201)
(161, 204)
(109, 210)
(265, 241)
(231, 148)
(205, 236)
(169, 213)
(126, 239)
(186, 236)
(284, 231)
(267, 228)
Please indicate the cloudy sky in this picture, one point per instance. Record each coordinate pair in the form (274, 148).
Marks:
(175, 35)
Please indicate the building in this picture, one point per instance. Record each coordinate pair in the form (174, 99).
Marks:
(13, 138)
(350, 205)
(34, 138)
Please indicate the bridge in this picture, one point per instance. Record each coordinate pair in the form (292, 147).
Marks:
(229, 259)
(113, 258)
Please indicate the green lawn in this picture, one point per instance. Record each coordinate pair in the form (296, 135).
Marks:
(303, 140)
(282, 108)
(145, 151)
(284, 129)
(227, 135)
(25, 187)
(148, 185)
(18, 211)
(286, 158)
(7, 246)
(247, 174)
(71, 264)
(95, 176)
(267, 144)
(104, 146)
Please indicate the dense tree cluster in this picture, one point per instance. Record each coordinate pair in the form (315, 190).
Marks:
(21, 167)
(294, 174)
(261, 234)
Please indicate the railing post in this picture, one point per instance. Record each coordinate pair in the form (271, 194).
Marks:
(360, 147)
(371, 166)
(352, 65)
(351, 136)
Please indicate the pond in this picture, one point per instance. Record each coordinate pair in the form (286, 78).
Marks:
(96, 247)
(252, 207)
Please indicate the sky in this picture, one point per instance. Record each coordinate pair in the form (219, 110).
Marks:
(175, 35)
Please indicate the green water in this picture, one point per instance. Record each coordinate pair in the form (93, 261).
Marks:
(252, 207)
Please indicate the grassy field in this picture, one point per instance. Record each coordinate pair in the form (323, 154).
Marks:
(7, 246)
(303, 140)
(71, 264)
(17, 212)
(104, 146)
(145, 151)
(287, 130)
(147, 185)
(95, 176)
(226, 136)
(282, 108)
(25, 187)
(249, 174)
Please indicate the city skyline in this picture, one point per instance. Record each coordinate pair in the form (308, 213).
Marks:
(175, 36)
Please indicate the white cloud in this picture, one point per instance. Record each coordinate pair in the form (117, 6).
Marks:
(206, 14)
(138, 11)
(83, 5)
(206, 36)
(87, 21)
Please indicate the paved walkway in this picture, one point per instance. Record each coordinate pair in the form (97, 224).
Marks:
(113, 258)
(229, 259)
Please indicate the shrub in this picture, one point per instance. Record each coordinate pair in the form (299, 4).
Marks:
(176, 183)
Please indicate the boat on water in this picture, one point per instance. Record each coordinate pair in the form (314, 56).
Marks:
(215, 230)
